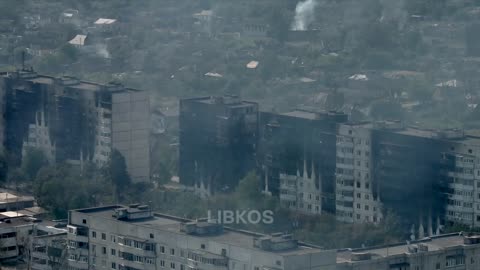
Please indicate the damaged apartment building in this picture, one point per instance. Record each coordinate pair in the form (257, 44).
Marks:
(297, 158)
(320, 162)
(75, 121)
(428, 178)
(218, 138)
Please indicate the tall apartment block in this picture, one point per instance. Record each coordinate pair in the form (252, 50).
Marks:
(73, 120)
(460, 170)
(134, 238)
(427, 177)
(356, 195)
(218, 138)
(297, 158)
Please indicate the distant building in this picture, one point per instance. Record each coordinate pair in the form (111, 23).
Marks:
(134, 238)
(452, 251)
(218, 137)
(73, 120)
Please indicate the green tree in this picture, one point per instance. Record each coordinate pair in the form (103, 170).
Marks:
(33, 160)
(116, 173)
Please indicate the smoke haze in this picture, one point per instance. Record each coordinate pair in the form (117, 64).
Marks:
(304, 15)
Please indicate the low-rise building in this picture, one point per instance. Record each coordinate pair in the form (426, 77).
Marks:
(119, 237)
(452, 251)
(49, 248)
(11, 202)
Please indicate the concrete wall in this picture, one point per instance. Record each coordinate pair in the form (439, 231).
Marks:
(131, 132)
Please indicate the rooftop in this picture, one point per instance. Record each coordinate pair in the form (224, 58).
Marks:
(6, 197)
(228, 100)
(434, 244)
(78, 40)
(310, 113)
(104, 21)
(15, 221)
(173, 225)
(71, 82)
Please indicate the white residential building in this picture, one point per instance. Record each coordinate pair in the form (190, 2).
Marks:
(134, 238)
(356, 199)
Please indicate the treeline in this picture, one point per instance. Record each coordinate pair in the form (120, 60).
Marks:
(64, 186)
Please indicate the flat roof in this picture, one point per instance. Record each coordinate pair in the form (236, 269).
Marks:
(14, 222)
(311, 113)
(78, 84)
(417, 132)
(434, 243)
(6, 197)
(173, 224)
(230, 101)
(302, 114)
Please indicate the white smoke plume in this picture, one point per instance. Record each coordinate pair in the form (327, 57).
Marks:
(304, 15)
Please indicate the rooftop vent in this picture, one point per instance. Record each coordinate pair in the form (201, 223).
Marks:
(389, 125)
(134, 205)
(133, 212)
(471, 240)
(276, 242)
(68, 80)
(114, 86)
(357, 256)
(417, 248)
(451, 134)
(143, 207)
(201, 228)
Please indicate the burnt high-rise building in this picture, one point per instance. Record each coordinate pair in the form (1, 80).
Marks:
(297, 158)
(218, 139)
(75, 121)
(428, 178)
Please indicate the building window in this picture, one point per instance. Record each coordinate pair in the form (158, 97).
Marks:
(162, 263)
(151, 236)
(366, 207)
(113, 252)
(114, 265)
(358, 206)
(104, 250)
(94, 234)
(202, 246)
(113, 238)
(172, 251)
(172, 265)
(84, 221)
(104, 236)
